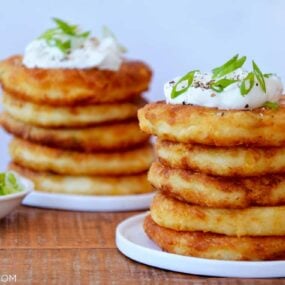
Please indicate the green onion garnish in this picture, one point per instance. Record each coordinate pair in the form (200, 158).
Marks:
(220, 80)
(267, 75)
(189, 77)
(230, 66)
(247, 84)
(63, 46)
(271, 105)
(65, 27)
(259, 76)
(221, 84)
(9, 184)
(54, 36)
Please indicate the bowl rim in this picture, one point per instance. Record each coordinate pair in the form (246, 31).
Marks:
(28, 187)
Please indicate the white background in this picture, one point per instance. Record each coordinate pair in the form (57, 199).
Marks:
(172, 36)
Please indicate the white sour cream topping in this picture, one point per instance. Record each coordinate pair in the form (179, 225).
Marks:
(230, 98)
(88, 53)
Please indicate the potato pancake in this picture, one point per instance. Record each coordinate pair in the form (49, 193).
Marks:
(42, 158)
(85, 185)
(103, 137)
(70, 116)
(210, 126)
(253, 221)
(218, 192)
(224, 161)
(216, 246)
(73, 86)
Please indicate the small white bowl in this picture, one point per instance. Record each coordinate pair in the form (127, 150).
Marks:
(9, 202)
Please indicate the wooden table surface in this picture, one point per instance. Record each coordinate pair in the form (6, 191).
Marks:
(59, 247)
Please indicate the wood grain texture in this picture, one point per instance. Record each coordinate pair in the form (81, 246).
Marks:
(60, 247)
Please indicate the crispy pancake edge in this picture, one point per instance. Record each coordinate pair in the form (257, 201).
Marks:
(215, 246)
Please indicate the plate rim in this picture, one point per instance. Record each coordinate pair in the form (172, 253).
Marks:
(123, 243)
(101, 203)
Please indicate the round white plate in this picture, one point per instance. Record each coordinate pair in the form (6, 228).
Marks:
(132, 241)
(88, 203)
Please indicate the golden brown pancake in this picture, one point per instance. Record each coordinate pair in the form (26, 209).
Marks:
(73, 86)
(42, 158)
(44, 115)
(216, 246)
(210, 126)
(253, 221)
(85, 185)
(224, 161)
(103, 137)
(218, 192)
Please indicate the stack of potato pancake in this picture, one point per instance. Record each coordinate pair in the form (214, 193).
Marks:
(76, 130)
(220, 176)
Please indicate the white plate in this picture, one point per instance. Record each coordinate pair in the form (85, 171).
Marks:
(134, 243)
(89, 203)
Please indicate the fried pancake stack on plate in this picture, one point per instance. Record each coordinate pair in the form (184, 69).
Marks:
(221, 181)
(76, 130)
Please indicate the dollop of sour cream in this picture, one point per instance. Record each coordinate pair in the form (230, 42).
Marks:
(200, 93)
(86, 53)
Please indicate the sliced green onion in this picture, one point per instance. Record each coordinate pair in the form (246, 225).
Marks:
(230, 66)
(259, 76)
(9, 183)
(63, 46)
(217, 70)
(247, 84)
(221, 84)
(267, 75)
(189, 77)
(49, 34)
(65, 27)
(271, 105)
(84, 34)
(53, 36)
